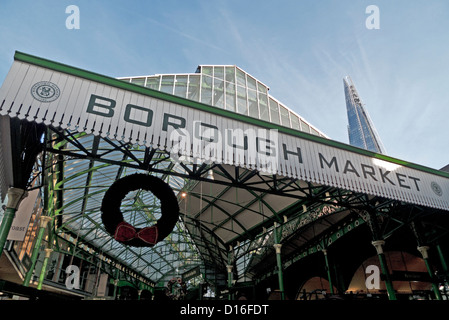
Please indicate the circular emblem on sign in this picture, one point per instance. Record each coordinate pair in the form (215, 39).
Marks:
(436, 188)
(45, 91)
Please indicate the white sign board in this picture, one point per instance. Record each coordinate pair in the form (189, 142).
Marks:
(74, 100)
(21, 220)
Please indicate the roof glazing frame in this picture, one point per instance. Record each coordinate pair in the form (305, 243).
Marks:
(52, 65)
(77, 214)
(200, 241)
(262, 98)
(82, 151)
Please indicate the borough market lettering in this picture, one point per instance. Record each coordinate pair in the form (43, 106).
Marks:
(105, 107)
(369, 172)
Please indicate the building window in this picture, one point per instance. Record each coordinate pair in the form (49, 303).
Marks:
(181, 86)
(194, 88)
(274, 111)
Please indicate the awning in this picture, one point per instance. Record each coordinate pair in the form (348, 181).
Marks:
(69, 98)
(240, 174)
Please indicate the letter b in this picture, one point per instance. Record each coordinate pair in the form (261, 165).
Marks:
(94, 106)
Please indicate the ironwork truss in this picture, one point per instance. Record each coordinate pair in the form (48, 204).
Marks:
(84, 166)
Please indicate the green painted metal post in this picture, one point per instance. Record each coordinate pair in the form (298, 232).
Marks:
(116, 281)
(15, 196)
(329, 278)
(6, 226)
(115, 288)
(48, 252)
(425, 256)
(37, 246)
(442, 259)
(229, 268)
(383, 265)
(139, 293)
(443, 265)
(230, 279)
(277, 247)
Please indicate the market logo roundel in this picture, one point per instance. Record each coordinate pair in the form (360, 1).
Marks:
(45, 91)
(436, 188)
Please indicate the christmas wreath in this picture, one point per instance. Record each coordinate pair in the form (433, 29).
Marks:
(122, 231)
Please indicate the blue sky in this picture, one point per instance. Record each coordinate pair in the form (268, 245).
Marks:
(300, 49)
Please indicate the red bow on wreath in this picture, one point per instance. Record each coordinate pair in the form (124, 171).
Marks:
(126, 232)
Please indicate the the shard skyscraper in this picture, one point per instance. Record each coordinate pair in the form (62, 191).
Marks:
(361, 130)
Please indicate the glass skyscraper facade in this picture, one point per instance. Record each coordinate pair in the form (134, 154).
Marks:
(361, 130)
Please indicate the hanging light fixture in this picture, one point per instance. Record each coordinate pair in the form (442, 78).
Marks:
(210, 174)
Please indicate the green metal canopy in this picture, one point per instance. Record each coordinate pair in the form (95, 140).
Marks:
(231, 215)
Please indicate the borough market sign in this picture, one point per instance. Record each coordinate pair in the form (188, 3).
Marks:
(69, 98)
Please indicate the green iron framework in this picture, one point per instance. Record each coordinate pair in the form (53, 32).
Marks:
(231, 218)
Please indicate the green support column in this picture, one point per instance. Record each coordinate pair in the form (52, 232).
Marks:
(115, 288)
(425, 255)
(15, 196)
(8, 217)
(42, 225)
(442, 259)
(48, 252)
(277, 247)
(229, 268)
(443, 265)
(139, 294)
(383, 265)
(329, 278)
(230, 279)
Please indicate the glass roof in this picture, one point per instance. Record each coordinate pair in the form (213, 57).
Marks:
(216, 218)
(84, 185)
(227, 87)
(228, 214)
(212, 215)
